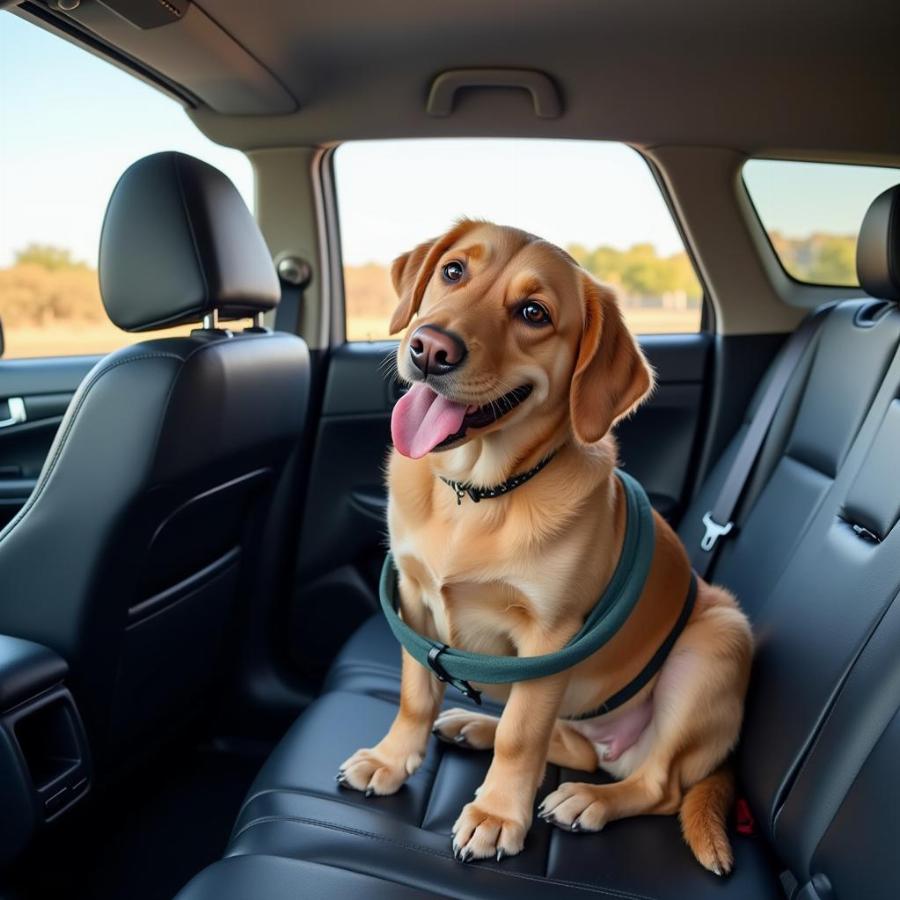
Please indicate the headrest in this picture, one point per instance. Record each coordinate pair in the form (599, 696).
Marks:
(177, 243)
(878, 249)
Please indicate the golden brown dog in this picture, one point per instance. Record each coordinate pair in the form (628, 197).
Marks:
(516, 352)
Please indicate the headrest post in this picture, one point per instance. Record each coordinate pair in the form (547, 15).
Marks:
(259, 321)
(211, 321)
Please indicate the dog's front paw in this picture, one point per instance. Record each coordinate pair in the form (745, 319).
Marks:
(574, 807)
(486, 829)
(377, 770)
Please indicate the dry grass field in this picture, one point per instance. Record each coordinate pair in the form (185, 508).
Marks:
(61, 339)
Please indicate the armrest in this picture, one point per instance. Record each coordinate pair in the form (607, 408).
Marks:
(44, 761)
(26, 669)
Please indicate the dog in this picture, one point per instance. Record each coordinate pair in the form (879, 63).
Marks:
(516, 357)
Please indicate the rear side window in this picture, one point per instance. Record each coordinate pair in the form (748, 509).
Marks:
(597, 200)
(812, 213)
(70, 124)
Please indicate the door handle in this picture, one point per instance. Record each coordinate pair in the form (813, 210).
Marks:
(17, 413)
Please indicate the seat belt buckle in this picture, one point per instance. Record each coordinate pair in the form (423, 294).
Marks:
(713, 532)
(442, 674)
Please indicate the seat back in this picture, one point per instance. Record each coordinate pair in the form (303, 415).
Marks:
(141, 539)
(820, 728)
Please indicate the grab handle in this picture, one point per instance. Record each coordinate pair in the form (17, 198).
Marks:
(544, 93)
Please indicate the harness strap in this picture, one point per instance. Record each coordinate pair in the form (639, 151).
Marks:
(654, 664)
(459, 667)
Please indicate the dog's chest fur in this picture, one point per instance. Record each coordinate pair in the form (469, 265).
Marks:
(488, 573)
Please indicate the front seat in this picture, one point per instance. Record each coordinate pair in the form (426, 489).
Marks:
(140, 541)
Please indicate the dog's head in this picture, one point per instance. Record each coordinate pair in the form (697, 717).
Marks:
(502, 326)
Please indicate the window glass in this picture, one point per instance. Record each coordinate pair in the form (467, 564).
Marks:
(598, 200)
(812, 213)
(70, 124)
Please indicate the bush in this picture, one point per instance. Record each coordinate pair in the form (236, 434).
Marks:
(36, 295)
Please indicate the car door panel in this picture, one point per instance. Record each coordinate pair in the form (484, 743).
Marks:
(343, 536)
(34, 396)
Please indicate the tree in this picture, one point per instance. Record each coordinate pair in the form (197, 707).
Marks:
(48, 257)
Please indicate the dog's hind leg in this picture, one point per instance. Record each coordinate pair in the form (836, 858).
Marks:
(674, 765)
(476, 731)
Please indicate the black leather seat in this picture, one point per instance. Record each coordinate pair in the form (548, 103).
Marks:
(816, 563)
(138, 544)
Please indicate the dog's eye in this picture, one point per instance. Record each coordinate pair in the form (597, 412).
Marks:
(453, 271)
(535, 314)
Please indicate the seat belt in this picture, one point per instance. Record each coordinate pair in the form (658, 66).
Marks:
(294, 275)
(718, 522)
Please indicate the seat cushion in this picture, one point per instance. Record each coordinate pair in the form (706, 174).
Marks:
(296, 810)
(369, 662)
(244, 877)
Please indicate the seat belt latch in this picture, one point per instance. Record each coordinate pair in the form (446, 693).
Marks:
(713, 532)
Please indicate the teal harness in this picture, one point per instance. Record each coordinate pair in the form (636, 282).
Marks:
(459, 668)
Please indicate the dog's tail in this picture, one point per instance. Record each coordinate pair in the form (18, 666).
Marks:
(703, 814)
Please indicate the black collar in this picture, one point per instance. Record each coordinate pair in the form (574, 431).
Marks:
(498, 490)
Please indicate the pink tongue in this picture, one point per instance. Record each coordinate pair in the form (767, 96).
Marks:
(422, 418)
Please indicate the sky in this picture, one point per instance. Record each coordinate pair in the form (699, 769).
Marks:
(394, 194)
(71, 123)
(798, 198)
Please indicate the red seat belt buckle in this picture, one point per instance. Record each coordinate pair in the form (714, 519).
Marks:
(745, 822)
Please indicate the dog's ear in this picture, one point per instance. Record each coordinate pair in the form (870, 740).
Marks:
(404, 274)
(411, 272)
(612, 376)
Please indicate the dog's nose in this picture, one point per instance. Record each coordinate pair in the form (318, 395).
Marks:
(434, 351)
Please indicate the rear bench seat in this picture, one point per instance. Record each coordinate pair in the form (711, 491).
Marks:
(822, 728)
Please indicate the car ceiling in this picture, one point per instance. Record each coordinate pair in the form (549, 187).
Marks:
(813, 77)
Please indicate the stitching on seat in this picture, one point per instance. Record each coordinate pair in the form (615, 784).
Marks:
(359, 832)
(297, 792)
(198, 257)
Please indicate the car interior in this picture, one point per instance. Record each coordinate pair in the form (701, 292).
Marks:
(192, 525)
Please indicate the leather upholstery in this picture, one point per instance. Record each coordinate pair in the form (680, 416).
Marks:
(833, 592)
(819, 418)
(26, 669)
(275, 878)
(141, 538)
(295, 809)
(178, 242)
(152, 429)
(878, 248)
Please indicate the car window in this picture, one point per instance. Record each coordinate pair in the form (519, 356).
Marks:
(598, 200)
(70, 124)
(812, 213)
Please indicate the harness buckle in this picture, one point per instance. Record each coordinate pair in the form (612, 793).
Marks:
(442, 674)
(714, 531)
